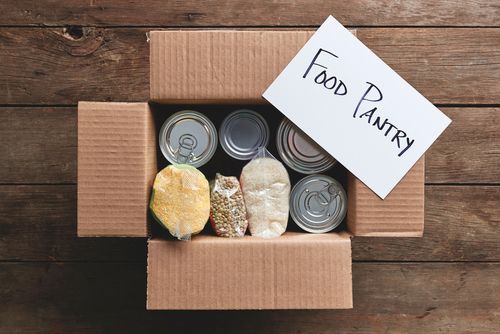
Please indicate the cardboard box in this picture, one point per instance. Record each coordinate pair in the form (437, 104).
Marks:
(117, 162)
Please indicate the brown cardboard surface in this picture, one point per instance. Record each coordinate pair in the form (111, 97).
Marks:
(224, 66)
(116, 166)
(294, 271)
(401, 214)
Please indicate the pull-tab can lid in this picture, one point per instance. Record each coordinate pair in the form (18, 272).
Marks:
(242, 132)
(300, 152)
(318, 203)
(188, 137)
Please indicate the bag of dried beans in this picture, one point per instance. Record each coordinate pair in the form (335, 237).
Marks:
(228, 214)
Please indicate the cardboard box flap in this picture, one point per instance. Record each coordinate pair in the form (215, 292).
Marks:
(116, 166)
(401, 214)
(297, 270)
(218, 66)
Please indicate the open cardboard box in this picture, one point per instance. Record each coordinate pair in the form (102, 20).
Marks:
(118, 159)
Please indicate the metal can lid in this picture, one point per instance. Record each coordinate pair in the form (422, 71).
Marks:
(242, 132)
(188, 137)
(300, 152)
(318, 203)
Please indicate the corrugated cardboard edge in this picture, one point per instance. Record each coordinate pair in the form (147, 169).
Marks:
(401, 214)
(116, 166)
(219, 66)
(295, 271)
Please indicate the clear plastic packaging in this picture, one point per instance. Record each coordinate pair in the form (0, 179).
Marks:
(266, 190)
(227, 207)
(180, 200)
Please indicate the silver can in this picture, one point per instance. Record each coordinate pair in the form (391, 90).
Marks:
(242, 132)
(299, 152)
(188, 137)
(318, 203)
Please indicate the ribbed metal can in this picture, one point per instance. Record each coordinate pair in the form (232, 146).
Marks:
(318, 203)
(188, 137)
(299, 152)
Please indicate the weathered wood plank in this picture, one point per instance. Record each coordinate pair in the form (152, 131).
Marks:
(110, 298)
(57, 66)
(250, 13)
(43, 141)
(469, 150)
(38, 145)
(38, 223)
(445, 65)
(461, 224)
(52, 66)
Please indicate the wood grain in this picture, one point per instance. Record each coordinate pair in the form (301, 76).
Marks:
(445, 65)
(57, 66)
(250, 13)
(38, 223)
(461, 224)
(469, 149)
(43, 141)
(110, 298)
(54, 66)
(38, 145)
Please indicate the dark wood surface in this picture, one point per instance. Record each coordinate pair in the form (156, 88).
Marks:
(228, 13)
(67, 64)
(53, 54)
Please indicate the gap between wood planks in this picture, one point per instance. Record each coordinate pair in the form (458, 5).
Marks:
(145, 259)
(243, 27)
(454, 184)
(73, 105)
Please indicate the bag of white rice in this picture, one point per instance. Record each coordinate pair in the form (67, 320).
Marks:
(266, 191)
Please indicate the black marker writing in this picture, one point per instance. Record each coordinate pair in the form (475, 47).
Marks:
(322, 78)
(373, 95)
(366, 107)
(364, 98)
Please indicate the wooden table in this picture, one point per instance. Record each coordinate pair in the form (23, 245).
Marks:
(55, 53)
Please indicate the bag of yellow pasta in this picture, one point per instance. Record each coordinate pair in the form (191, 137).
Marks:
(180, 200)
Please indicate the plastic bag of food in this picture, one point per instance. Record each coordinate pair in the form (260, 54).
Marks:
(180, 200)
(228, 214)
(266, 190)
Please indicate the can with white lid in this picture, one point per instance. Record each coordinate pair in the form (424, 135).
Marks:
(242, 133)
(188, 137)
(318, 203)
(299, 152)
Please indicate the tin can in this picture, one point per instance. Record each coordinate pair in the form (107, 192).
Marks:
(299, 152)
(318, 203)
(242, 132)
(188, 137)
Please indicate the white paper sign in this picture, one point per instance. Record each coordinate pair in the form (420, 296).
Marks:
(356, 107)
